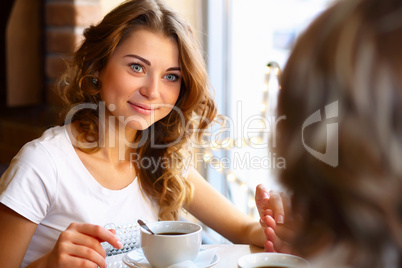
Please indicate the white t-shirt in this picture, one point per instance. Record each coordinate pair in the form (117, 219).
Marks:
(50, 186)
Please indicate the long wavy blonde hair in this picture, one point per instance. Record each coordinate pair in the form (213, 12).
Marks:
(351, 54)
(164, 183)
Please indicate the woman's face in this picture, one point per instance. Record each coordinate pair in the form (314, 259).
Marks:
(141, 82)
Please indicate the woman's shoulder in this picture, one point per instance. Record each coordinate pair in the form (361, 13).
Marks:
(54, 137)
(53, 134)
(34, 172)
(53, 144)
(40, 162)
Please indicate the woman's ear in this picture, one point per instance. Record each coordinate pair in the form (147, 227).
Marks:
(95, 79)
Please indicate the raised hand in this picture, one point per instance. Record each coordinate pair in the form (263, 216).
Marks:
(275, 219)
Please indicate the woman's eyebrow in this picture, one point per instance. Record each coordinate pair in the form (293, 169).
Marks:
(147, 62)
(174, 69)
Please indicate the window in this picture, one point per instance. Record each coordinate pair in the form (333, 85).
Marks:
(243, 37)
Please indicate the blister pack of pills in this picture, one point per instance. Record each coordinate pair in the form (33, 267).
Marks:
(129, 235)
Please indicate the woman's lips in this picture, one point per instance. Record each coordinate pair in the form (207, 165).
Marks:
(141, 108)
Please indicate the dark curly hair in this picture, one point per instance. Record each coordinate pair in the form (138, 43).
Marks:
(350, 56)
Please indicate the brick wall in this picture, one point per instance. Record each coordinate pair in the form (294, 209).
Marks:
(65, 21)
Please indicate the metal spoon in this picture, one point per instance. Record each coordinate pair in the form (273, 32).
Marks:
(143, 225)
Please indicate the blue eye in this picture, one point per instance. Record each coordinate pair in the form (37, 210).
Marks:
(171, 77)
(136, 67)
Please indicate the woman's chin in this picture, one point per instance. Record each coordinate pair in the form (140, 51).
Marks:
(137, 126)
(135, 123)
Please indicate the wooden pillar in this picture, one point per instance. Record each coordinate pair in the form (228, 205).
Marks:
(24, 54)
(5, 11)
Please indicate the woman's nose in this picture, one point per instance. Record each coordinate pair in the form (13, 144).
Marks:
(150, 88)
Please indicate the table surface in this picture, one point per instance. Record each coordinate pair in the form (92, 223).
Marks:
(228, 255)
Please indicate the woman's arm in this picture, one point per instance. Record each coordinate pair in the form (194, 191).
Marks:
(16, 233)
(77, 246)
(214, 210)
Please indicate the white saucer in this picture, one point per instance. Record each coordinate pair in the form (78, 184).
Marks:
(272, 259)
(136, 259)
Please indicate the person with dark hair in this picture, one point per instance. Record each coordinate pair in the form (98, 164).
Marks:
(347, 207)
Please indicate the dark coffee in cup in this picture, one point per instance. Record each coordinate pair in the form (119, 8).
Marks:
(171, 233)
(271, 266)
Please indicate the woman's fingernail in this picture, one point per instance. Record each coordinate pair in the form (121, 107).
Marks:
(269, 212)
(265, 195)
(119, 244)
(279, 219)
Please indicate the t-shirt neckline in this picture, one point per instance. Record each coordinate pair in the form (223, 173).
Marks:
(91, 178)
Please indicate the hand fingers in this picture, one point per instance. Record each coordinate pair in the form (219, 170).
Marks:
(74, 249)
(271, 237)
(284, 232)
(83, 255)
(275, 243)
(269, 246)
(262, 201)
(78, 262)
(98, 232)
(269, 222)
(80, 239)
(271, 203)
(276, 203)
(80, 246)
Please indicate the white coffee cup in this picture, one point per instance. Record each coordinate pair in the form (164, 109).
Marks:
(266, 259)
(165, 247)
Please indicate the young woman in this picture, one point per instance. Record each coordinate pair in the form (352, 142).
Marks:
(136, 92)
(349, 63)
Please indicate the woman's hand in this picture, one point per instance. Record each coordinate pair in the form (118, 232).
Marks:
(79, 246)
(272, 208)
